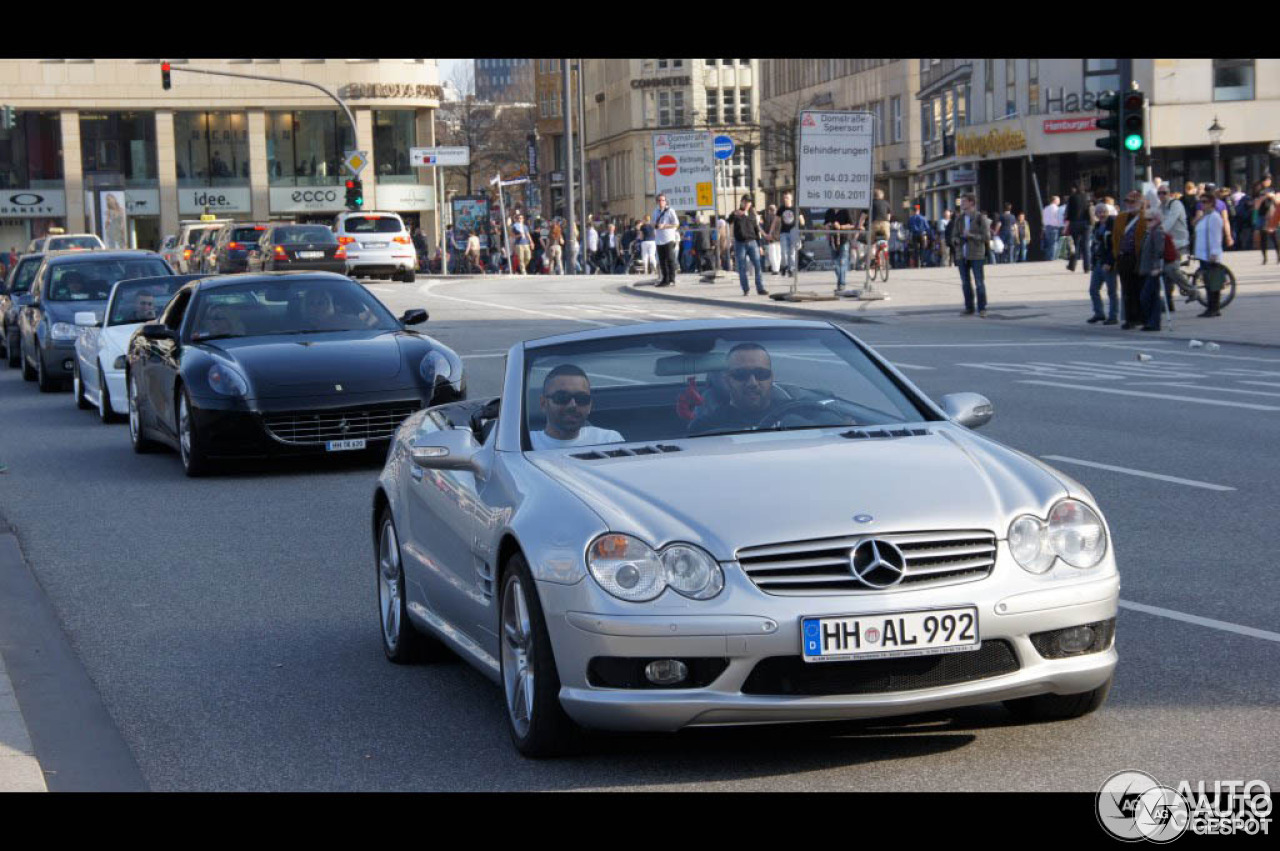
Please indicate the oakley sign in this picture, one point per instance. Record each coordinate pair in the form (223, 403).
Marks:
(26, 204)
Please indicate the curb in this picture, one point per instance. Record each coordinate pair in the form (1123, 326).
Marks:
(74, 737)
(773, 307)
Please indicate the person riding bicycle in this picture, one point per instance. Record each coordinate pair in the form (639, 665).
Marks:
(918, 227)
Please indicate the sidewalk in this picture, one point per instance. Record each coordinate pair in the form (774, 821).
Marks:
(1042, 294)
(19, 769)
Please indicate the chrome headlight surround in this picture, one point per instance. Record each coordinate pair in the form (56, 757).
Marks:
(1073, 532)
(630, 569)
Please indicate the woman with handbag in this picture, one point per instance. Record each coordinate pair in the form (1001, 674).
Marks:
(1208, 250)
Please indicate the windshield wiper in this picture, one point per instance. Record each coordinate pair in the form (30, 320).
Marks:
(775, 427)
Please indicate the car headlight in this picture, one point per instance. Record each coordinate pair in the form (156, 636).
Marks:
(626, 567)
(433, 366)
(225, 380)
(692, 572)
(629, 569)
(1073, 533)
(62, 331)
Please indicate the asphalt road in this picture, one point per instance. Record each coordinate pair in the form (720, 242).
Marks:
(230, 623)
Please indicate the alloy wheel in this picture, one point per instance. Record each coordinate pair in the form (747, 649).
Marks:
(389, 587)
(135, 420)
(184, 430)
(517, 657)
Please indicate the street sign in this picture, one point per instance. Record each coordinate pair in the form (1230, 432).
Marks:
(684, 169)
(515, 182)
(724, 147)
(356, 161)
(835, 160)
(440, 156)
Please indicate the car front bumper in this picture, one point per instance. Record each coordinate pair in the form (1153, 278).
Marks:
(773, 630)
(117, 390)
(59, 357)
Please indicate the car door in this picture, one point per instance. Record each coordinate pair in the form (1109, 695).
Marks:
(162, 363)
(29, 319)
(441, 538)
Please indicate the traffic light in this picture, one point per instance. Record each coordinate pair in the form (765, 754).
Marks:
(355, 194)
(1109, 102)
(164, 76)
(1135, 133)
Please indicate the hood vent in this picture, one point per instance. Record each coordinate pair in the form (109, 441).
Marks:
(656, 449)
(865, 434)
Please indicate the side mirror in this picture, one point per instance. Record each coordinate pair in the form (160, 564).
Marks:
(158, 331)
(414, 317)
(452, 449)
(86, 319)
(968, 409)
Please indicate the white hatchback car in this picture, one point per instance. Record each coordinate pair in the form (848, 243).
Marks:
(377, 244)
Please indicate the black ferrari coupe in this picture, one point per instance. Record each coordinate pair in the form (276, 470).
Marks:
(249, 366)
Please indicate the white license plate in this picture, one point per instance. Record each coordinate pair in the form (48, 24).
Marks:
(888, 635)
(374, 245)
(310, 255)
(344, 445)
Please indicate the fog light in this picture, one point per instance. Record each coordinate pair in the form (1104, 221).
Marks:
(68, 364)
(666, 672)
(1076, 640)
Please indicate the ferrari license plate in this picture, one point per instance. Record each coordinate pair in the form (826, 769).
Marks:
(344, 445)
(310, 255)
(889, 635)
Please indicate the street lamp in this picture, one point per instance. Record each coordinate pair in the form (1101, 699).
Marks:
(1215, 135)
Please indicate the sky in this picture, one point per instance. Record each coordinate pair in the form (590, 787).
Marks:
(446, 66)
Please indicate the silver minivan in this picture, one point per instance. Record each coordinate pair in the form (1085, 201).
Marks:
(378, 245)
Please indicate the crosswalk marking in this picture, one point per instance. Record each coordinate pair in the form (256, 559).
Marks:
(1169, 396)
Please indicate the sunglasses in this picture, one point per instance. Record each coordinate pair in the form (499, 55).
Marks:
(760, 373)
(564, 397)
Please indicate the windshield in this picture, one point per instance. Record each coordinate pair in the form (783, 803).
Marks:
(247, 234)
(304, 235)
(195, 235)
(64, 243)
(295, 306)
(143, 300)
(372, 224)
(696, 383)
(92, 280)
(25, 274)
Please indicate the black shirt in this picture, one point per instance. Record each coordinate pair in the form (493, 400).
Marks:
(841, 217)
(879, 210)
(789, 218)
(727, 417)
(746, 226)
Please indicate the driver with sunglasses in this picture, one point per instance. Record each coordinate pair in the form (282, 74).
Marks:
(566, 402)
(749, 379)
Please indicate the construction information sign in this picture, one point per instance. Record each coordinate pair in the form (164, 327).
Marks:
(835, 160)
(684, 170)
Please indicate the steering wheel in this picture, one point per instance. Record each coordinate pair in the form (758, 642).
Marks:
(775, 417)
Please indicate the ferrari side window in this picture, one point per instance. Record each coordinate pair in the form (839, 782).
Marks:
(177, 309)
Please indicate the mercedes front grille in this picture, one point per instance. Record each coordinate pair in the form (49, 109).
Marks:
(814, 568)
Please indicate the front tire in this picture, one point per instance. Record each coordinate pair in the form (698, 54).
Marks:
(105, 412)
(402, 643)
(77, 387)
(43, 381)
(141, 444)
(195, 462)
(13, 346)
(538, 724)
(1059, 707)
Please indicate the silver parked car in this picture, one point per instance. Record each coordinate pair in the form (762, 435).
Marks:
(679, 524)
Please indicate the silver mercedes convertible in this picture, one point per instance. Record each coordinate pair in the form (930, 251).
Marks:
(681, 524)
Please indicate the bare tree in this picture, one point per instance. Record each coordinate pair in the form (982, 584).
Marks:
(495, 132)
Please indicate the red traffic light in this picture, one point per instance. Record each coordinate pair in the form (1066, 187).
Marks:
(1133, 102)
(351, 184)
(165, 66)
(164, 76)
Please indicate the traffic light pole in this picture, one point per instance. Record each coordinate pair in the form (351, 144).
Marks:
(350, 118)
(1125, 160)
(568, 160)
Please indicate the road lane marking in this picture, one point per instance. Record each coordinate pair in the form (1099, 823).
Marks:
(1199, 621)
(1144, 474)
(1167, 396)
(1261, 383)
(428, 289)
(1213, 389)
(909, 365)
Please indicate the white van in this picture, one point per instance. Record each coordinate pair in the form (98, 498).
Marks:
(378, 245)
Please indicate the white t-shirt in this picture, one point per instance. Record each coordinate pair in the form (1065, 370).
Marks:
(664, 235)
(587, 436)
(593, 240)
(1052, 216)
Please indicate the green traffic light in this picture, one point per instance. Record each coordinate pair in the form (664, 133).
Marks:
(1133, 142)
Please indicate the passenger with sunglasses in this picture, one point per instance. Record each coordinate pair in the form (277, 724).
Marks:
(566, 402)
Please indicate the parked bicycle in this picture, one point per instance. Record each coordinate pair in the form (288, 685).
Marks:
(1194, 288)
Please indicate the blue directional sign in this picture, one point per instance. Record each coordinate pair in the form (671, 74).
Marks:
(724, 147)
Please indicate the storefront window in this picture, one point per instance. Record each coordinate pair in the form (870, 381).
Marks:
(394, 134)
(30, 153)
(212, 148)
(119, 148)
(1101, 75)
(1233, 79)
(306, 148)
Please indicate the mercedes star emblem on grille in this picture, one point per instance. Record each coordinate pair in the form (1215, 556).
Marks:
(877, 563)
